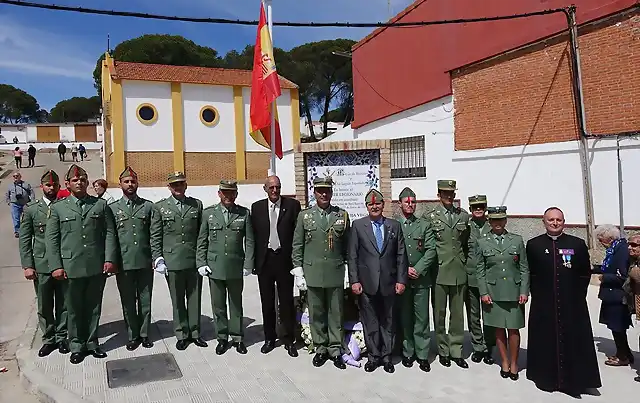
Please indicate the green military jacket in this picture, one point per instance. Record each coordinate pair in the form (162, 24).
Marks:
(452, 244)
(503, 272)
(80, 242)
(322, 251)
(133, 226)
(478, 230)
(32, 236)
(420, 244)
(174, 234)
(226, 247)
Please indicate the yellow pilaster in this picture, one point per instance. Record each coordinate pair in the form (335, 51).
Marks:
(241, 153)
(117, 119)
(295, 116)
(178, 127)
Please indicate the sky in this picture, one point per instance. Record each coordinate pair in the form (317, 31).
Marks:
(52, 54)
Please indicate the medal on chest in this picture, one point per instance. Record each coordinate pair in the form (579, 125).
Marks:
(566, 257)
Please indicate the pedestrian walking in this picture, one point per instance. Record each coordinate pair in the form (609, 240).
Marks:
(74, 152)
(31, 153)
(62, 150)
(17, 156)
(82, 151)
(18, 194)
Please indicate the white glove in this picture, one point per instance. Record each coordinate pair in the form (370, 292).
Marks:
(297, 272)
(204, 271)
(346, 276)
(246, 272)
(161, 267)
(299, 280)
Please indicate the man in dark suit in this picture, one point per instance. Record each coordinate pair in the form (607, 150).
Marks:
(274, 221)
(377, 272)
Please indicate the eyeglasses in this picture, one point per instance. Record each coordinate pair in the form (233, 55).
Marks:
(634, 245)
(274, 187)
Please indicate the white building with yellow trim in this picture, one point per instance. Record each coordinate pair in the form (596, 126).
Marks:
(160, 118)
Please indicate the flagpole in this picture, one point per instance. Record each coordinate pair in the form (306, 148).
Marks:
(272, 164)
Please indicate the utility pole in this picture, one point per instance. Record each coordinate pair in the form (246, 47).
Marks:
(582, 125)
(620, 188)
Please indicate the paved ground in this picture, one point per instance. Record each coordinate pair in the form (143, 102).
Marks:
(255, 377)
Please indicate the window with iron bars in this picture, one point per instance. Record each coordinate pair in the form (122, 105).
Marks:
(408, 158)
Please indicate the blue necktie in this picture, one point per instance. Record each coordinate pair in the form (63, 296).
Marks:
(378, 234)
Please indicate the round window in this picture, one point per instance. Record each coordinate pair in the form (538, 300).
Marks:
(209, 115)
(147, 114)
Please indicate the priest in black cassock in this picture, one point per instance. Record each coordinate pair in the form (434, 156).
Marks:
(561, 354)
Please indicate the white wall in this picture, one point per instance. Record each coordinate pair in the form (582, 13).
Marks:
(284, 116)
(197, 136)
(140, 137)
(67, 133)
(9, 132)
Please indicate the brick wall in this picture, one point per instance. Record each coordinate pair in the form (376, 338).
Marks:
(525, 97)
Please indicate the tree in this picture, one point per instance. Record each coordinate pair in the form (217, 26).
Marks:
(76, 109)
(17, 106)
(160, 49)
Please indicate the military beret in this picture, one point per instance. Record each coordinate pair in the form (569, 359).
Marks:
(76, 172)
(373, 196)
(496, 213)
(128, 172)
(50, 178)
(326, 182)
(477, 199)
(228, 185)
(407, 192)
(446, 184)
(176, 176)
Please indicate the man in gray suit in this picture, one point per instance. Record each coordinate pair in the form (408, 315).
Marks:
(377, 272)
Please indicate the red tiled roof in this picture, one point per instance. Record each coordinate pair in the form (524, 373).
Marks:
(186, 74)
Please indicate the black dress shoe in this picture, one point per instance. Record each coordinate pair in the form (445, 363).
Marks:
(98, 353)
(133, 344)
(182, 344)
(146, 343)
(370, 366)
(389, 368)
(637, 379)
(241, 348)
(320, 359)
(338, 362)
(444, 361)
(63, 347)
(504, 374)
(46, 349)
(268, 346)
(77, 358)
(199, 342)
(477, 356)
(488, 359)
(407, 362)
(460, 362)
(291, 350)
(514, 377)
(222, 347)
(424, 365)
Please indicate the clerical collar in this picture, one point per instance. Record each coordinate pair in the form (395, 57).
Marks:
(554, 237)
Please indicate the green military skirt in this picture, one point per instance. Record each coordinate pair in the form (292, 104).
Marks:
(504, 315)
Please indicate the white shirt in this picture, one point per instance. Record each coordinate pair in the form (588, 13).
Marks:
(46, 201)
(272, 205)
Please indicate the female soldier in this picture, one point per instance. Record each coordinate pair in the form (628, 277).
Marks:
(503, 282)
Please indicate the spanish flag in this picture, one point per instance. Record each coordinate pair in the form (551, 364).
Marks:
(265, 88)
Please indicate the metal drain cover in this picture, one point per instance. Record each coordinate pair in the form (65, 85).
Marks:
(139, 370)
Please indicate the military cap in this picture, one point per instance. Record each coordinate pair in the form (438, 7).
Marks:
(373, 196)
(496, 213)
(128, 172)
(446, 184)
(326, 182)
(407, 192)
(477, 199)
(76, 172)
(176, 176)
(228, 185)
(50, 178)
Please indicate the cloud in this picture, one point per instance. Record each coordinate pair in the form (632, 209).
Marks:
(32, 51)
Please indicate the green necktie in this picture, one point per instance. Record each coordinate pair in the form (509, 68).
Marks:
(500, 238)
(324, 221)
(226, 217)
(81, 204)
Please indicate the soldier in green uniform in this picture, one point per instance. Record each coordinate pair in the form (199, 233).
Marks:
(503, 281)
(81, 246)
(420, 245)
(135, 278)
(52, 312)
(175, 225)
(481, 341)
(225, 255)
(320, 245)
(450, 225)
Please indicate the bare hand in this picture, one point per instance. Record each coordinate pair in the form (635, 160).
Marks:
(356, 288)
(109, 268)
(523, 299)
(29, 273)
(413, 274)
(399, 288)
(59, 274)
(486, 299)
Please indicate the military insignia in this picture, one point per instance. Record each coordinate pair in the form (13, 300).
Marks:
(42, 228)
(546, 251)
(420, 245)
(340, 221)
(516, 258)
(306, 215)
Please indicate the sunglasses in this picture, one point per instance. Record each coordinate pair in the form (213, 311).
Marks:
(634, 245)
